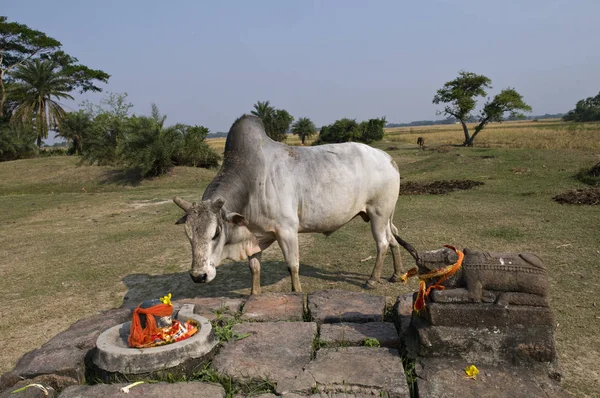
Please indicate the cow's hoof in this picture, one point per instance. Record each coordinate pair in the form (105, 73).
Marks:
(394, 279)
(370, 284)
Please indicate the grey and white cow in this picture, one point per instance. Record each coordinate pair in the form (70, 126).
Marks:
(266, 191)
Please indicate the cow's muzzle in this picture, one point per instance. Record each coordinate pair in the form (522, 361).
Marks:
(201, 278)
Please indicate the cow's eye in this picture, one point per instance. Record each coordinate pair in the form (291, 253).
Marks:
(217, 233)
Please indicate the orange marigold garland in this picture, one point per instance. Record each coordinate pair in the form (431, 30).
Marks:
(443, 273)
(151, 335)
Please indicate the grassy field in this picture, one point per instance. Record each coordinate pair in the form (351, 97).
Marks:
(78, 239)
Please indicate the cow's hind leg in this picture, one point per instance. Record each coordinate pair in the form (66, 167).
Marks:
(254, 265)
(395, 248)
(379, 227)
(288, 241)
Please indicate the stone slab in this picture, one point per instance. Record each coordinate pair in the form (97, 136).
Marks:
(272, 307)
(332, 395)
(55, 384)
(333, 306)
(446, 377)
(403, 310)
(213, 307)
(488, 315)
(272, 351)
(65, 353)
(354, 334)
(516, 344)
(359, 370)
(147, 390)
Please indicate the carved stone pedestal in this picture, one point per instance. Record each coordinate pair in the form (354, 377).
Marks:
(484, 333)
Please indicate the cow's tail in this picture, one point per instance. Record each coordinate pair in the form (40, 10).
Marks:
(408, 247)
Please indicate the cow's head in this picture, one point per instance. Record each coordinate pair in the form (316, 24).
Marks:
(209, 228)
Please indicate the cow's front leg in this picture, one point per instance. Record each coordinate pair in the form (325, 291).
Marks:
(254, 264)
(288, 241)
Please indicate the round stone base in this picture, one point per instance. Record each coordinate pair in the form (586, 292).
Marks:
(113, 354)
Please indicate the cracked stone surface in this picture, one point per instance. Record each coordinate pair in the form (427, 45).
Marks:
(155, 390)
(446, 377)
(332, 306)
(208, 307)
(361, 370)
(336, 334)
(273, 350)
(274, 307)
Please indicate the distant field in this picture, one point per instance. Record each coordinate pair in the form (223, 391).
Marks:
(78, 239)
(545, 134)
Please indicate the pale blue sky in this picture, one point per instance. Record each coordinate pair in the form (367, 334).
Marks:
(208, 62)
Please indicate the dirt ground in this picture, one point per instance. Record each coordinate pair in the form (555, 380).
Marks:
(436, 187)
(581, 196)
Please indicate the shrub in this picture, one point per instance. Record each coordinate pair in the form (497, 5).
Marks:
(194, 151)
(17, 141)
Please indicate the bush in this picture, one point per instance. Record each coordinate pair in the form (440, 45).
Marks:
(17, 141)
(101, 138)
(148, 147)
(345, 130)
(195, 152)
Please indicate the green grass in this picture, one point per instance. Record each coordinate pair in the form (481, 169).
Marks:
(66, 253)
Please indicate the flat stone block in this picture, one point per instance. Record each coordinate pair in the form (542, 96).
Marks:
(333, 306)
(488, 315)
(272, 351)
(359, 370)
(147, 390)
(403, 309)
(516, 344)
(336, 334)
(272, 307)
(447, 378)
(212, 307)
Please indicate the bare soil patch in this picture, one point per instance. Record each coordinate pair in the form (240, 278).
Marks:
(581, 196)
(437, 187)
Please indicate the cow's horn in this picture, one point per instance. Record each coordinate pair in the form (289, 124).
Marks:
(186, 206)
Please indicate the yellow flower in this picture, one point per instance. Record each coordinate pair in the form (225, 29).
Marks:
(471, 371)
(166, 299)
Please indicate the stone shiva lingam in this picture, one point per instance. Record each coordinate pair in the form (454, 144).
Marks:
(482, 307)
(159, 337)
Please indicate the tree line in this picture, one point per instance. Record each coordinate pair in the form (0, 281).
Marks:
(36, 74)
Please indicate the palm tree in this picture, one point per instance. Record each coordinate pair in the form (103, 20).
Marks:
(38, 86)
(265, 112)
(304, 128)
(74, 127)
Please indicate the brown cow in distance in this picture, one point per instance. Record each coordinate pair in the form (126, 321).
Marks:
(421, 142)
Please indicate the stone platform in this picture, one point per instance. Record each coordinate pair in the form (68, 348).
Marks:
(290, 345)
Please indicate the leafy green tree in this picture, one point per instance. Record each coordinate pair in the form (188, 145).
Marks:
(586, 110)
(276, 121)
(20, 44)
(370, 130)
(280, 125)
(343, 130)
(304, 128)
(460, 96)
(38, 86)
(107, 128)
(74, 128)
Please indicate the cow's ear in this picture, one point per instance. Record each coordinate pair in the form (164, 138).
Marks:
(217, 204)
(182, 220)
(236, 218)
